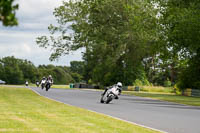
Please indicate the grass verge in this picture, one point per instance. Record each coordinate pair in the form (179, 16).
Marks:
(53, 86)
(156, 89)
(21, 110)
(60, 86)
(194, 101)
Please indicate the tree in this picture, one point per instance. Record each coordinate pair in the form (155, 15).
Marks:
(28, 69)
(8, 12)
(2, 71)
(77, 67)
(16, 71)
(116, 34)
(60, 76)
(12, 71)
(180, 21)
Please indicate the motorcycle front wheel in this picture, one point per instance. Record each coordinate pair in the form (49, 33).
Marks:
(47, 87)
(108, 99)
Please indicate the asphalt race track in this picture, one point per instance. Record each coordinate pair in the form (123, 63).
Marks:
(164, 116)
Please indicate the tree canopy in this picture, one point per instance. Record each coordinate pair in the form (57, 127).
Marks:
(113, 33)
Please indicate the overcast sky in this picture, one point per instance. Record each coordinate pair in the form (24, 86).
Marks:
(34, 16)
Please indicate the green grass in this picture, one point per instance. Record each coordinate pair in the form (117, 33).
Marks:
(60, 86)
(156, 89)
(195, 101)
(53, 86)
(23, 111)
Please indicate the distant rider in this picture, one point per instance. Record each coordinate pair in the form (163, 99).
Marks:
(26, 83)
(50, 79)
(43, 81)
(118, 86)
(37, 83)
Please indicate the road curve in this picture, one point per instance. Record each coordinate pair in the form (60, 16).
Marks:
(164, 116)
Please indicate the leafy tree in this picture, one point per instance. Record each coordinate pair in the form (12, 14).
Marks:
(116, 34)
(77, 77)
(28, 69)
(13, 74)
(77, 67)
(180, 21)
(2, 71)
(8, 12)
(16, 71)
(60, 76)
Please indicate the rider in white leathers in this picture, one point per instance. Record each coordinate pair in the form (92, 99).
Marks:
(117, 86)
(43, 81)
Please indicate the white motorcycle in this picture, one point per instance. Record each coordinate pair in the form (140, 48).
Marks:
(110, 94)
(43, 82)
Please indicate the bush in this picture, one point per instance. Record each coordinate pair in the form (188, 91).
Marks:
(177, 90)
(146, 82)
(138, 83)
(190, 76)
(167, 83)
(90, 82)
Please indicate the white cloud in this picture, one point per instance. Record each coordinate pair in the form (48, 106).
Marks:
(22, 45)
(35, 8)
(34, 16)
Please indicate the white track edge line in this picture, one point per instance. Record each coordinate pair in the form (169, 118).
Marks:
(102, 113)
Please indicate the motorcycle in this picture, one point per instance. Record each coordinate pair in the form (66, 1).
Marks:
(43, 82)
(26, 83)
(37, 84)
(48, 85)
(110, 94)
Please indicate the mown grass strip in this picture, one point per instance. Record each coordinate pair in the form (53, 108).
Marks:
(194, 101)
(61, 86)
(21, 110)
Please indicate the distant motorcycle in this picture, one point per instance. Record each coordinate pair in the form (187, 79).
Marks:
(110, 94)
(37, 84)
(43, 82)
(48, 85)
(26, 83)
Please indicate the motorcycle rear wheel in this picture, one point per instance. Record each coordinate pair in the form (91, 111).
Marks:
(102, 101)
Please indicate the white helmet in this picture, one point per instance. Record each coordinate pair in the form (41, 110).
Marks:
(119, 84)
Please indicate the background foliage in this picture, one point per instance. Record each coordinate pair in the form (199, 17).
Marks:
(17, 71)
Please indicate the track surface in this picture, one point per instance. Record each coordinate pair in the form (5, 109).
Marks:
(165, 116)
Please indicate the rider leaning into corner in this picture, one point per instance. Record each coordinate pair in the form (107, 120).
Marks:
(118, 86)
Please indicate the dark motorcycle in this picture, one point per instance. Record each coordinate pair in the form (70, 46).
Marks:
(48, 85)
(110, 94)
